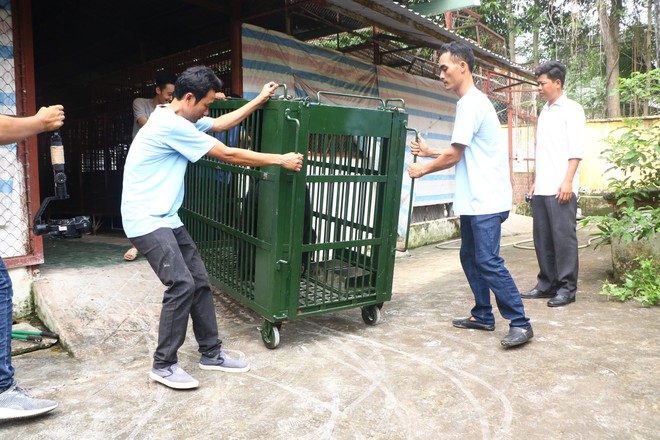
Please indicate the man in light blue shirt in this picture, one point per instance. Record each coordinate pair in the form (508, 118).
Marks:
(142, 109)
(153, 191)
(483, 196)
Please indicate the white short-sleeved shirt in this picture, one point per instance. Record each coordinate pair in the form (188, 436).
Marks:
(153, 185)
(483, 184)
(141, 107)
(559, 137)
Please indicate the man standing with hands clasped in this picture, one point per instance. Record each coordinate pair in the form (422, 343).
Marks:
(559, 147)
(483, 196)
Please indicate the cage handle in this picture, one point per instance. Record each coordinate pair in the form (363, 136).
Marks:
(286, 93)
(410, 206)
(401, 100)
(348, 95)
(287, 115)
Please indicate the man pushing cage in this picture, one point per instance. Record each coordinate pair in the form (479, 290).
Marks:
(311, 242)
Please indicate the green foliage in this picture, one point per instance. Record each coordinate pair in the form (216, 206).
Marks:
(628, 224)
(585, 82)
(494, 15)
(592, 94)
(569, 31)
(640, 85)
(343, 40)
(643, 284)
(635, 154)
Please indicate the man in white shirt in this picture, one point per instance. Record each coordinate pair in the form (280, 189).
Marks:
(144, 107)
(559, 147)
(483, 196)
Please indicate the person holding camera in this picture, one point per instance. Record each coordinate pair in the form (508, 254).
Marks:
(153, 192)
(15, 401)
(483, 196)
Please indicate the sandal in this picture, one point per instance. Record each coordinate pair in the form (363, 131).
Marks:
(131, 254)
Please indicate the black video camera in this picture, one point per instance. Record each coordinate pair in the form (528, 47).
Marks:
(62, 228)
(66, 228)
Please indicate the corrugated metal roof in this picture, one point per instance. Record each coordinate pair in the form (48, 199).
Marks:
(91, 46)
(397, 18)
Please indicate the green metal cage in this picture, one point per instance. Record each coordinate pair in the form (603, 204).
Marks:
(290, 245)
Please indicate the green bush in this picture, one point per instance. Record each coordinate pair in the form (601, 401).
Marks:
(635, 154)
(642, 284)
(628, 224)
(635, 157)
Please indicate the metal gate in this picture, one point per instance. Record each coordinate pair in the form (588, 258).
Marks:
(290, 245)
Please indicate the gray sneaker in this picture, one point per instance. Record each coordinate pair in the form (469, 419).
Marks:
(174, 377)
(16, 403)
(222, 362)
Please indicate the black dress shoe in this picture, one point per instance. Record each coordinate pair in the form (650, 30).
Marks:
(517, 336)
(469, 323)
(560, 300)
(536, 293)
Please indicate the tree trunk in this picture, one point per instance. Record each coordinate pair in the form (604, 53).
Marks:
(609, 27)
(535, 31)
(535, 46)
(511, 31)
(657, 26)
(648, 51)
(635, 68)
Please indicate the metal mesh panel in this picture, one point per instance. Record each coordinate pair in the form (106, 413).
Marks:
(220, 209)
(350, 166)
(468, 24)
(291, 245)
(343, 194)
(97, 137)
(14, 227)
(13, 211)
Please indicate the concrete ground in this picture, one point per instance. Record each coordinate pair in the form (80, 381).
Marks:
(591, 371)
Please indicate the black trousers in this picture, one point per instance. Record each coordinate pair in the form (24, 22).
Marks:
(555, 240)
(174, 257)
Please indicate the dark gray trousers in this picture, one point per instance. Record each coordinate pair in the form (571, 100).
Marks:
(174, 257)
(555, 240)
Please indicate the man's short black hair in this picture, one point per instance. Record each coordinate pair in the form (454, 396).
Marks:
(198, 80)
(459, 51)
(165, 78)
(553, 70)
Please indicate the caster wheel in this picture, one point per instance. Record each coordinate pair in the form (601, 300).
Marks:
(270, 334)
(371, 315)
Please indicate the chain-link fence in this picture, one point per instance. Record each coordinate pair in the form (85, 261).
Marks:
(515, 103)
(14, 218)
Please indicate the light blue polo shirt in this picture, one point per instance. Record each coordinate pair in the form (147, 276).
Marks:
(153, 185)
(483, 184)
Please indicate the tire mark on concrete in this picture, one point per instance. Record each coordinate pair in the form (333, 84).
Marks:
(507, 418)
